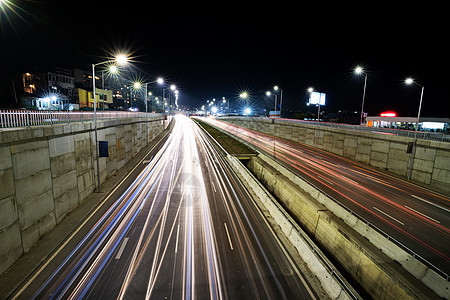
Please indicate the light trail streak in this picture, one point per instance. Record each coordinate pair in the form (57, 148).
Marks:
(348, 181)
(175, 202)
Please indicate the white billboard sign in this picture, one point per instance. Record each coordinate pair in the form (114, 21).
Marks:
(317, 98)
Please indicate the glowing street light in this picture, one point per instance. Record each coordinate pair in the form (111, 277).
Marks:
(410, 81)
(172, 87)
(359, 70)
(268, 94)
(244, 95)
(276, 89)
(121, 59)
(113, 69)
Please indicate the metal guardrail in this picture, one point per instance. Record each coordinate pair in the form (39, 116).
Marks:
(424, 135)
(28, 118)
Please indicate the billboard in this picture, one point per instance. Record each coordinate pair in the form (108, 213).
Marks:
(274, 114)
(316, 98)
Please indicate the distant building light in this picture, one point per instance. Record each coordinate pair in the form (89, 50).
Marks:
(388, 114)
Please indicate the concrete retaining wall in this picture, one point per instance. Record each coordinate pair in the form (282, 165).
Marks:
(377, 274)
(45, 172)
(388, 152)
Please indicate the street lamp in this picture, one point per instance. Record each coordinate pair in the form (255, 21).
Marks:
(276, 89)
(120, 59)
(410, 81)
(244, 95)
(359, 70)
(172, 87)
(268, 94)
(138, 85)
(310, 90)
(228, 105)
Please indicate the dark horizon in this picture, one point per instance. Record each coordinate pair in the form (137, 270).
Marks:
(218, 53)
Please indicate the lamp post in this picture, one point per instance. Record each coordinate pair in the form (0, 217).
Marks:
(172, 87)
(121, 60)
(410, 81)
(268, 94)
(276, 89)
(244, 95)
(228, 105)
(310, 90)
(359, 70)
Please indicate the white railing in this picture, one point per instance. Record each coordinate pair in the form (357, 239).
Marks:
(27, 118)
(435, 136)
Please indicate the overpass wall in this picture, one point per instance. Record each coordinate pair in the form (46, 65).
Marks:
(47, 171)
(431, 164)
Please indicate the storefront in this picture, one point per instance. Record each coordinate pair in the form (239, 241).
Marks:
(409, 123)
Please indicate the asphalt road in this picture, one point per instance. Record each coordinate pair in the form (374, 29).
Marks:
(415, 216)
(184, 228)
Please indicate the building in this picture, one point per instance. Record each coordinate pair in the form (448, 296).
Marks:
(409, 123)
(48, 90)
(86, 99)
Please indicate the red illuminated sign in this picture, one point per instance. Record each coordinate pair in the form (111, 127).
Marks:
(388, 114)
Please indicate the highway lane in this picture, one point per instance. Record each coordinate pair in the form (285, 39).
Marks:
(417, 217)
(185, 228)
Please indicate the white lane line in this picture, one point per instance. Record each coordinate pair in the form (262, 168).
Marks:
(388, 215)
(228, 234)
(349, 179)
(422, 214)
(431, 203)
(122, 247)
(325, 180)
(176, 242)
(147, 161)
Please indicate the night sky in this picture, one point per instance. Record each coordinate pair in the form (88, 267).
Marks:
(215, 49)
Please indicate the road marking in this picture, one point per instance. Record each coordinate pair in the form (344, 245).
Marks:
(431, 203)
(325, 180)
(122, 247)
(228, 234)
(349, 179)
(388, 215)
(176, 241)
(147, 161)
(422, 214)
